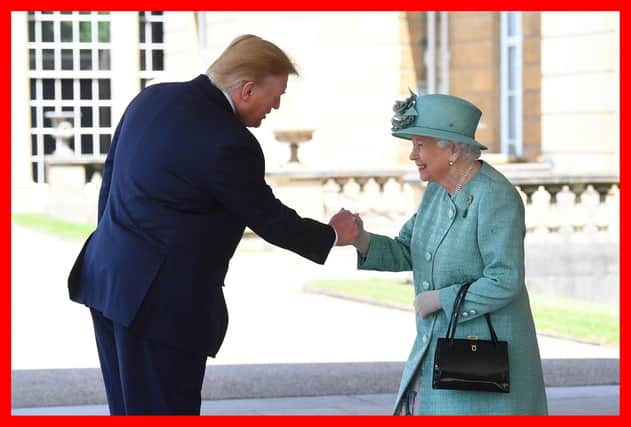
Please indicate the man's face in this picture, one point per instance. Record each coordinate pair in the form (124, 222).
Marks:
(263, 97)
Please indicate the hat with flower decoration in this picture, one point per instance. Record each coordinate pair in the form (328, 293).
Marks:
(438, 116)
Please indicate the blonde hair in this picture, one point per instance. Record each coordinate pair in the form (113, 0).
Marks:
(249, 58)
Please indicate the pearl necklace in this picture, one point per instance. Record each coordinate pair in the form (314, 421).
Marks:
(463, 178)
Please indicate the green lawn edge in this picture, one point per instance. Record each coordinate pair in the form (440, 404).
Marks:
(57, 227)
(563, 317)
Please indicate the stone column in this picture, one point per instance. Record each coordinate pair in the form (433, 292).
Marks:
(66, 181)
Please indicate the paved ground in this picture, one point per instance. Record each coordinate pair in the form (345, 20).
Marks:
(272, 320)
(592, 400)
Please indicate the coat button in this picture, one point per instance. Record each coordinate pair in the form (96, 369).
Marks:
(472, 312)
(428, 256)
(465, 314)
(451, 213)
(424, 338)
(425, 284)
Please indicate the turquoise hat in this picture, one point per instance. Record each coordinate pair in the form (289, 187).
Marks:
(438, 116)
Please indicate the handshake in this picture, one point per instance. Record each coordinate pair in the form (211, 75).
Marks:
(350, 230)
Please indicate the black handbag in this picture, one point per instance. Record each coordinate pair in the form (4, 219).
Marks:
(471, 363)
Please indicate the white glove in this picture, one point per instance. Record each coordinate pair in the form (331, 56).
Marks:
(427, 303)
(363, 241)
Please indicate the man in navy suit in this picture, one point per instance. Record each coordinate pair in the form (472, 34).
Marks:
(182, 180)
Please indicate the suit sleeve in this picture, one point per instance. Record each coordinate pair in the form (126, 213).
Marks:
(238, 182)
(107, 171)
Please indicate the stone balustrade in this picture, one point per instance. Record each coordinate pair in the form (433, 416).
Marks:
(555, 203)
(571, 202)
(572, 220)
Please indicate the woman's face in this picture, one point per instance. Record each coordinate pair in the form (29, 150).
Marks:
(431, 160)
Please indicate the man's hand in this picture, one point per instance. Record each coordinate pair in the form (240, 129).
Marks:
(345, 226)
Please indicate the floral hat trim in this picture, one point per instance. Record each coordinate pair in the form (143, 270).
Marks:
(404, 112)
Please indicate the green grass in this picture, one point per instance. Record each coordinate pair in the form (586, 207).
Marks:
(556, 316)
(78, 231)
(577, 319)
(54, 226)
(380, 291)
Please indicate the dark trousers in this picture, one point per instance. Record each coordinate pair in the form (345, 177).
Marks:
(145, 377)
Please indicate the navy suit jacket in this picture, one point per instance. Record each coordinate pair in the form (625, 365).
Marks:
(182, 180)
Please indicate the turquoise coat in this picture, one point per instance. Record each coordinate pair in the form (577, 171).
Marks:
(479, 237)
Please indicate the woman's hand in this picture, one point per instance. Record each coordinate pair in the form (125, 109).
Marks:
(363, 241)
(427, 303)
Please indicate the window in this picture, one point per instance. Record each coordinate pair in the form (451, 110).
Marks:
(70, 79)
(435, 51)
(151, 33)
(511, 91)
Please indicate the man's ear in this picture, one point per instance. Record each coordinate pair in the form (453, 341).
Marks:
(247, 89)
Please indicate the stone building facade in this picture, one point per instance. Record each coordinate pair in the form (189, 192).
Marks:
(547, 82)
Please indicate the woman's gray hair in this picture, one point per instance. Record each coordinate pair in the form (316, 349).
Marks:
(468, 152)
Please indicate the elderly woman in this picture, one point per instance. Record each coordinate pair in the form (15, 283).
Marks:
(469, 227)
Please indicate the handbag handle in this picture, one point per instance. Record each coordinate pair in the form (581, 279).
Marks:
(451, 329)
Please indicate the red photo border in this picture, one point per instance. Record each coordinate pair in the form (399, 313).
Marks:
(313, 5)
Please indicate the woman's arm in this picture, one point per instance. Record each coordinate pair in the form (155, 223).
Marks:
(382, 253)
(363, 241)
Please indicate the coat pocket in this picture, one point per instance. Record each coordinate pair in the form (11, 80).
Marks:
(116, 272)
(73, 278)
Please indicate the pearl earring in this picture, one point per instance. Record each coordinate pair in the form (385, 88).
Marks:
(451, 163)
